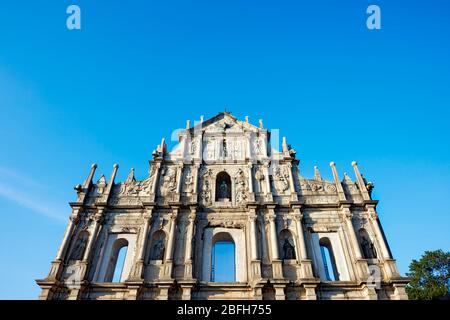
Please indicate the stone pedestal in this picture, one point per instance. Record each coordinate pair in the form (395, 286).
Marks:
(277, 266)
(74, 294)
(370, 293)
(163, 292)
(167, 269)
(137, 271)
(133, 292)
(256, 270)
(306, 271)
(257, 293)
(188, 269)
(362, 270)
(279, 292)
(399, 292)
(186, 292)
(55, 270)
(46, 293)
(310, 291)
(390, 269)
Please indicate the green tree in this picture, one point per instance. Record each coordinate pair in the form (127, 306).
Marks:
(430, 276)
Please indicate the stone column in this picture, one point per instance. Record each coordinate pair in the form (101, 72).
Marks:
(93, 234)
(253, 252)
(373, 218)
(137, 273)
(388, 263)
(179, 176)
(57, 265)
(69, 230)
(273, 239)
(248, 145)
(276, 262)
(294, 196)
(81, 270)
(362, 268)
(265, 249)
(156, 178)
(250, 182)
(195, 177)
(305, 263)
(168, 262)
(255, 263)
(267, 179)
(188, 245)
(250, 178)
(301, 238)
(347, 216)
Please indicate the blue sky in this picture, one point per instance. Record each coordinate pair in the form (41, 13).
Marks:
(138, 69)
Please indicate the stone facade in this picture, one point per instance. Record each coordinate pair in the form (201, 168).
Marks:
(224, 179)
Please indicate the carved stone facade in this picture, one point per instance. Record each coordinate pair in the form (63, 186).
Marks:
(224, 180)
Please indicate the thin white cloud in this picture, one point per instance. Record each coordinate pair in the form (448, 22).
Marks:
(37, 205)
(30, 194)
(9, 174)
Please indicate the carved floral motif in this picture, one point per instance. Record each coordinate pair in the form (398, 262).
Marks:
(281, 178)
(240, 186)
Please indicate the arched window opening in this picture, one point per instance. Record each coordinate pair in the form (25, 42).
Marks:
(329, 262)
(158, 245)
(117, 276)
(367, 246)
(223, 259)
(287, 245)
(223, 187)
(80, 246)
(117, 261)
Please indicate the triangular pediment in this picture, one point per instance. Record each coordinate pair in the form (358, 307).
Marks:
(222, 123)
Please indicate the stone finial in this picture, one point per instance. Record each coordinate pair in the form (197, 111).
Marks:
(261, 124)
(317, 175)
(131, 178)
(347, 178)
(188, 124)
(285, 145)
(202, 119)
(162, 146)
(111, 179)
(113, 173)
(360, 181)
(88, 180)
(101, 180)
(338, 184)
(246, 119)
